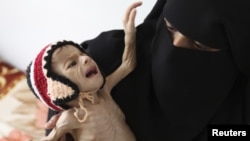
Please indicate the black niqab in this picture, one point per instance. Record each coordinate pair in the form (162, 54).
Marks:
(196, 88)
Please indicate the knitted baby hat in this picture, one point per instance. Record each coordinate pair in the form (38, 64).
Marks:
(52, 89)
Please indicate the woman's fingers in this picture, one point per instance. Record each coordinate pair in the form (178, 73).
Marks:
(52, 122)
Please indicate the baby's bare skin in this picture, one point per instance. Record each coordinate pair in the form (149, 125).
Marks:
(100, 118)
(105, 122)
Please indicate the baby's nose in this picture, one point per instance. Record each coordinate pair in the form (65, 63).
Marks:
(84, 59)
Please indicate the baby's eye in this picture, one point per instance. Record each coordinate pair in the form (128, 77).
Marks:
(83, 54)
(72, 64)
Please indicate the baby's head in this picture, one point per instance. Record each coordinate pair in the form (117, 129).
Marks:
(60, 72)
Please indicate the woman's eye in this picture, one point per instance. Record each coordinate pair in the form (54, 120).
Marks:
(197, 45)
(171, 28)
(72, 64)
(202, 47)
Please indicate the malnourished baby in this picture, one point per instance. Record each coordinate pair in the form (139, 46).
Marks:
(64, 77)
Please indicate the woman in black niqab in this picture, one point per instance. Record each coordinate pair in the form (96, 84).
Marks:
(187, 89)
(196, 88)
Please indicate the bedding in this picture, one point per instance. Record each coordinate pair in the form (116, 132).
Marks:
(22, 115)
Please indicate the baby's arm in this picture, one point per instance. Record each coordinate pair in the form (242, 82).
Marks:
(129, 55)
(65, 124)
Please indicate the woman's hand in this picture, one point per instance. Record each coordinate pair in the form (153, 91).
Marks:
(52, 122)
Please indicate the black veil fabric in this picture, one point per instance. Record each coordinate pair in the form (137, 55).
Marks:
(197, 88)
(174, 93)
(107, 47)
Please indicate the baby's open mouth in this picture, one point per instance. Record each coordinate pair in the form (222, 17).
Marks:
(92, 71)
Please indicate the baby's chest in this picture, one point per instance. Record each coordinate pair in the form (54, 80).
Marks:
(102, 121)
(105, 109)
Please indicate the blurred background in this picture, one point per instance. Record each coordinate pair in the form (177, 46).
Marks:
(26, 26)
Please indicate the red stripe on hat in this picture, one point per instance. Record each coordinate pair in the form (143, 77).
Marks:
(41, 81)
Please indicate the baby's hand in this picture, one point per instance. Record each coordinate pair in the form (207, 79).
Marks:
(129, 22)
